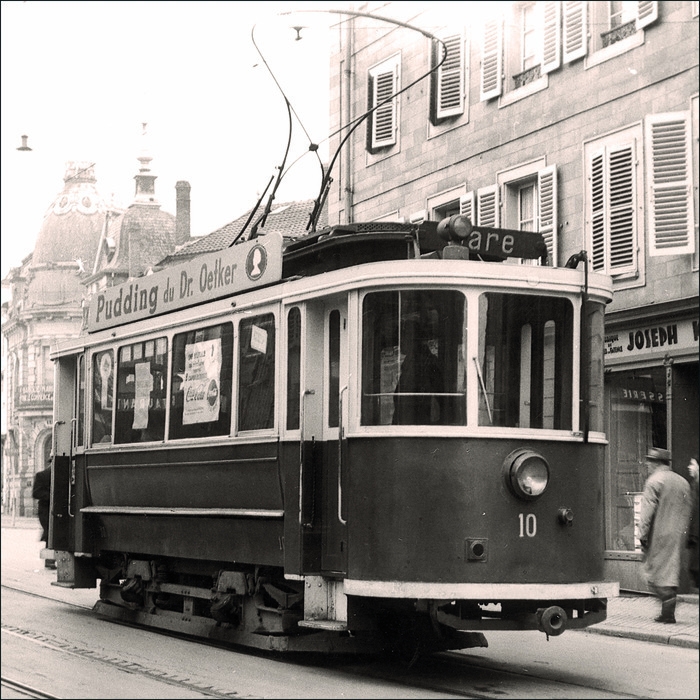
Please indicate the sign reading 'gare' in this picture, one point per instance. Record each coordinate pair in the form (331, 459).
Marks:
(205, 278)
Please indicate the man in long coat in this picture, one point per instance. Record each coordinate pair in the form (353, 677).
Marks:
(41, 491)
(663, 529)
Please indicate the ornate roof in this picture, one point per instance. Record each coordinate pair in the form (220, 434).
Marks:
(73, 223)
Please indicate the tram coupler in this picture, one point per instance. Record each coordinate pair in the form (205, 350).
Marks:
(552, 620)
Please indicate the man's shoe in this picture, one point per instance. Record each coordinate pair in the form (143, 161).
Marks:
(50, 564)
(665, 620)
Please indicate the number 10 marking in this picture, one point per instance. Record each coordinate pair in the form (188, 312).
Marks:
(528, 524)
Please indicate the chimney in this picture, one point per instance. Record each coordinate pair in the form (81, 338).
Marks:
(182, 211)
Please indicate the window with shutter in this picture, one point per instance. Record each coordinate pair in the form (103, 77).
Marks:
(487, 208)
(491, 60)
(669, 192)
(612, 206)
(574, 29)
(448, 82)
(618, 26)
(382, 123)
(466, 205)
(547, 210)
(551, 37)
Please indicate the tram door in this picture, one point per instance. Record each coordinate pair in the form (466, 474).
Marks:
(328, 320)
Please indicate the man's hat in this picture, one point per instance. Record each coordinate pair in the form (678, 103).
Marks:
(658, 454)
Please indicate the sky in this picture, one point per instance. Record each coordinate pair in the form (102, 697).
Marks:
(80, 79)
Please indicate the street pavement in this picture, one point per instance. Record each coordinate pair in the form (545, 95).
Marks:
(629, 615)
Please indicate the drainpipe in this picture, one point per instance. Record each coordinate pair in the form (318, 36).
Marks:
(349, 36)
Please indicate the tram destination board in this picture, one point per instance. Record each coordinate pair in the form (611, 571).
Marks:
(204, 278)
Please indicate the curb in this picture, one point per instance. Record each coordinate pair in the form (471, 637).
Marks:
(685, 641)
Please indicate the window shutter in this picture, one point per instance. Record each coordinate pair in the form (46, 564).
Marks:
(450, 79)
(669, 194)
(491, 60)
(575, 31)
(597, 200)
(547, 207)
(466, 205)
(620, 194)
(487, 206)
(551, 59)
(647, 12)
(384, 121)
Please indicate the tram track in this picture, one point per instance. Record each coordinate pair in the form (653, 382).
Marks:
(25, 691)
(454, 673)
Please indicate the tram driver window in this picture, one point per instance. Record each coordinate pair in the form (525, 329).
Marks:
(200, 395)
(102, 389)
(525, 362)
(141, 381)
(413, 369)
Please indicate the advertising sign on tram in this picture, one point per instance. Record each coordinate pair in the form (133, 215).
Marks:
(204, 278)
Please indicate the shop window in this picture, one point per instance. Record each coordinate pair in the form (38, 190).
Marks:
(200, 394)
(636, 410)
(256, 373)
(413, 368)
(141, 385)
(102, 396)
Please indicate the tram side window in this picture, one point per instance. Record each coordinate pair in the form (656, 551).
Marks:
(256, 373)
(293, 368)
(413, 369)
(200, 394)
(525, 361)
(141, 381)
(102, 400)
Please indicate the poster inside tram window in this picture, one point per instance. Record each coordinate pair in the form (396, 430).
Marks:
(202, 381)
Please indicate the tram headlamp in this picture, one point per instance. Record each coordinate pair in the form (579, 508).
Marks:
(526, 473)
(455, 228)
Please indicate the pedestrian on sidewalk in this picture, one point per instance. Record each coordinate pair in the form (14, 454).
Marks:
(693, 555)
(663, 529)
(41, 491)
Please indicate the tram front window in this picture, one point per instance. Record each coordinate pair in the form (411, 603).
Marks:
(413, 370)
(525, 361)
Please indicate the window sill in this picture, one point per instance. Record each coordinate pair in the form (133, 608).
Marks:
(616, 49)
(525, 91)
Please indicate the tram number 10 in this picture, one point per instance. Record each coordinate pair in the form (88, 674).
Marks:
(528, 524)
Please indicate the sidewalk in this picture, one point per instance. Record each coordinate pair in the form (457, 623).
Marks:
(629, 616)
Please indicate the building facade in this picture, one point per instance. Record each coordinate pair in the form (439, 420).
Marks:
(84, 244)
(575, 119)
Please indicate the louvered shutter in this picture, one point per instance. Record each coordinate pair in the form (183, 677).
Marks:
(547, 207)
(551, 59)
(487, 206)
(450, 95)
(598, 211)
(575, 31)
(647, 12)
(491, 60)
(669, 193)
(384, 117)
(466, 205)
(621, 232)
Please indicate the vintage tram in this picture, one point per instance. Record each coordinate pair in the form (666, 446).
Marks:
(378, 436)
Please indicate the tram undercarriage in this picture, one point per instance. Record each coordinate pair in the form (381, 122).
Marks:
(256, 606)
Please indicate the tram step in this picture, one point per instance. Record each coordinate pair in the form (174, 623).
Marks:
(328, 625)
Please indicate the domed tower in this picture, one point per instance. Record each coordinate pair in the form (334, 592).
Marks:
(45, 308)
(143, 235)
